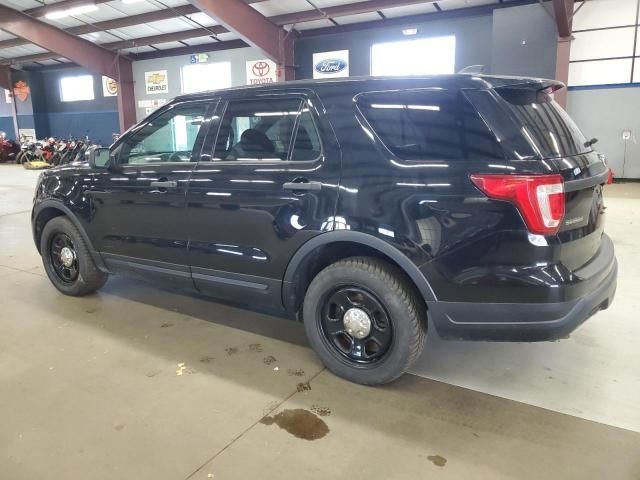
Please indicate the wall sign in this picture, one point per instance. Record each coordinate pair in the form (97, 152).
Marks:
(21, 90)
(199, 58)
(109, 87)
(27, 134)
(331, 64)
(151, 105)
(7, 96)
(156, 82)
(261, 71)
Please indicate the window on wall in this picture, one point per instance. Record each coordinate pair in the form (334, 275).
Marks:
(201, 77)
(76, 88)
(422, 56)
(604, 49)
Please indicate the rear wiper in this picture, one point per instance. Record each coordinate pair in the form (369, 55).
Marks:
(588, 143)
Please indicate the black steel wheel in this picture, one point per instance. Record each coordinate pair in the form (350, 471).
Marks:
(355, 323)
(67, 259)
(64, 258)
(365, 320)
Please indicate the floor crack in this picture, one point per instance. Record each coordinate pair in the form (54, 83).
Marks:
(242, 434)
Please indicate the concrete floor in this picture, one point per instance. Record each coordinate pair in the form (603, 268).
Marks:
(138, 383)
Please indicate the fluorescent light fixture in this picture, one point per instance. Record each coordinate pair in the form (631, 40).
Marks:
(409, 31)
(57, 14)
(131, 1)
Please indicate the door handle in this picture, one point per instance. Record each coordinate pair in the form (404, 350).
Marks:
(165, 184)
(302, 185)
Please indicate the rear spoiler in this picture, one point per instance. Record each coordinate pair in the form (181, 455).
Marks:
(542, 85)
(474, 70)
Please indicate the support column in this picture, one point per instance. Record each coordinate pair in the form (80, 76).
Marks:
(7, 83)
(126, 98)
(562, 68)
(286, 67)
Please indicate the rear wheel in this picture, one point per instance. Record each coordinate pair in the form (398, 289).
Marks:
(67, 260)
(365, 320)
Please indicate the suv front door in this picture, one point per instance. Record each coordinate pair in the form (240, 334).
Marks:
(139, 221)
(269, 184)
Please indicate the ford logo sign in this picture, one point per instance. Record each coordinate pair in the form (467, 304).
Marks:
(331, 65)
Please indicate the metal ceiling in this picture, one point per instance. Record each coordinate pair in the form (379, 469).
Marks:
(139, 27)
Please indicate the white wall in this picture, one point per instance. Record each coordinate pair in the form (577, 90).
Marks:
(604, 51)
(237, 57)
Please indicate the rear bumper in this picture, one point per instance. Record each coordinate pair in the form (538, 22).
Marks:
(528, 322)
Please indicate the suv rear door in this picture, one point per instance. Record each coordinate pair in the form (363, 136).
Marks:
(267, 182)
(535, 130)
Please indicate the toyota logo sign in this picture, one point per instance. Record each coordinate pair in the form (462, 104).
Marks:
(260, 72)
(260, 69)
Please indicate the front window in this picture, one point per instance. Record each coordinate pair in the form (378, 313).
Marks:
(169, 137)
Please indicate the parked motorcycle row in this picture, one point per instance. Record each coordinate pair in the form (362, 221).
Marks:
(43, 153)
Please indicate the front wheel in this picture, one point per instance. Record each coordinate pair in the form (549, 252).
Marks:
(67, 259)
(365, 320)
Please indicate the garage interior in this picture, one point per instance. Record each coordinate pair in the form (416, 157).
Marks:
(135, 382)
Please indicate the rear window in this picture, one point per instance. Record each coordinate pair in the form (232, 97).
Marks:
(547, 127)
(429, 125)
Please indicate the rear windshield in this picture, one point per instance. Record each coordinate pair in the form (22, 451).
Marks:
(429, 125)
(546, 126)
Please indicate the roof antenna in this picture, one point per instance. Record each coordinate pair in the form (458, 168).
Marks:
(474, 70)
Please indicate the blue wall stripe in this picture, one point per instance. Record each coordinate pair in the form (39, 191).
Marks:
(604, 86)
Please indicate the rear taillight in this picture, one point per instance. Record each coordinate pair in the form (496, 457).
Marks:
(538, 198)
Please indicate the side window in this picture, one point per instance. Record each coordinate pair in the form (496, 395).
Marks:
(170, 137)
(307, 141)
(428, 125)
(264, 129)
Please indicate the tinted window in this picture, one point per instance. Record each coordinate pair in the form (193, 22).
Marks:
(307, 142)
(264, 130)
(549, 130)
(170, 137)
(429, 125)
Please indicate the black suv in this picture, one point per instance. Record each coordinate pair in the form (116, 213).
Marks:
(361, 207)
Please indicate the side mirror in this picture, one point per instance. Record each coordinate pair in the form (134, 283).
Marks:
(99, 157)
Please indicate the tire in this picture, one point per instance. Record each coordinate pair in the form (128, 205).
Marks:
(84, 276)
(383, 291)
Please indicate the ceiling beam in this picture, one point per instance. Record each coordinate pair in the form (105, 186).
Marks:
(343, 10)
(563, 12)
(190, 50)
(123, 22)
(249, 24)
(66, 4)
(413, 19)
(56, 7)
(79, 50)
(121, 44)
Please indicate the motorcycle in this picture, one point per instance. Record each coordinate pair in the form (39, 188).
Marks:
(9, 149)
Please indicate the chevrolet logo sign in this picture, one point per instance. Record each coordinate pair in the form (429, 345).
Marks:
(156, 78)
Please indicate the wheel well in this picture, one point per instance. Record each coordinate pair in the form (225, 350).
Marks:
(324, 256)
(41, 220)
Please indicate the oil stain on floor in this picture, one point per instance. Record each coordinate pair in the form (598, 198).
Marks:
(437, 460)
(300, 423)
